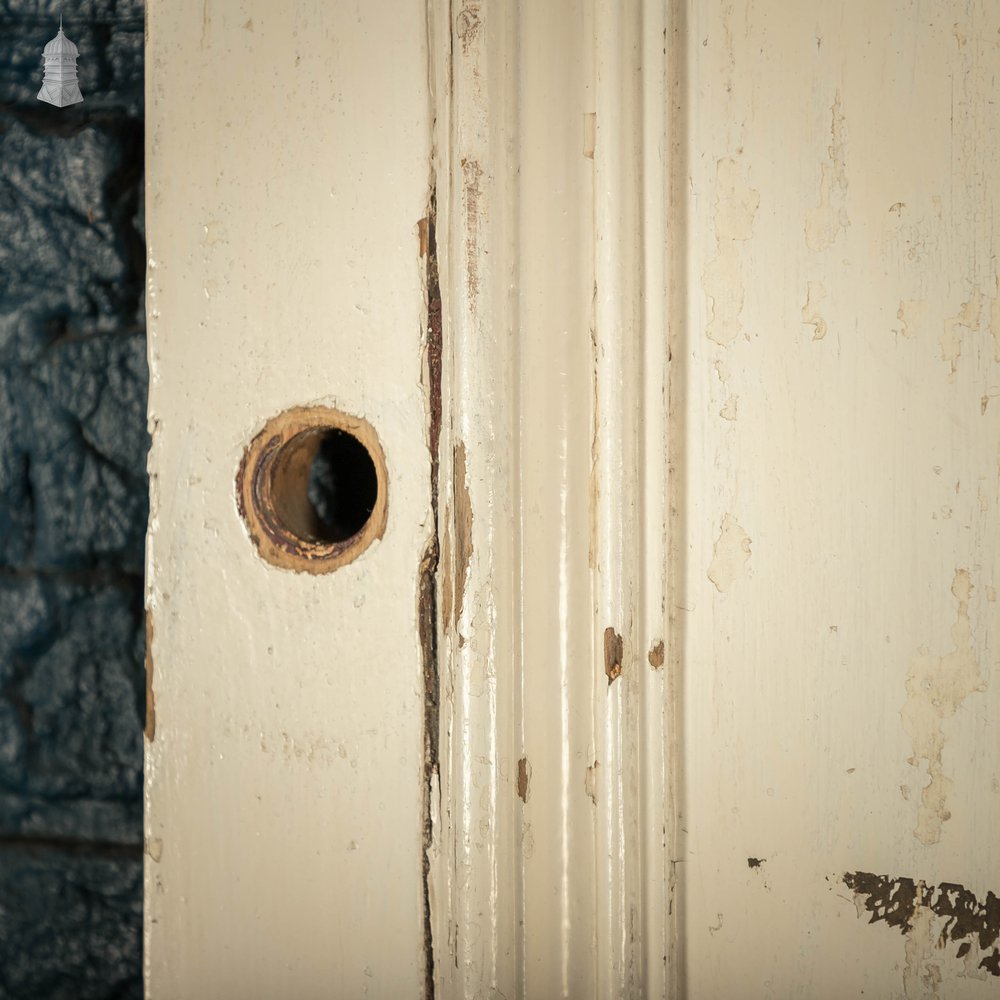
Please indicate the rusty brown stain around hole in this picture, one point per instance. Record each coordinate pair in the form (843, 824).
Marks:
(463, 529)
(613, 654)
(523, 778)
(656, 655)
(150, 727)
(968, 920)
(266, 480)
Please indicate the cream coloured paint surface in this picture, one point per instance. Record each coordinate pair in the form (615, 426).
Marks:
(836, 466)
(549, 864)
(288, 167)
(719, 273)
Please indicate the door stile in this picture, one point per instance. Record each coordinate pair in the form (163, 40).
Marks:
(473, 853)
(549, 862)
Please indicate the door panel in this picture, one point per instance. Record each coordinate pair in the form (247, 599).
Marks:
(838, 468)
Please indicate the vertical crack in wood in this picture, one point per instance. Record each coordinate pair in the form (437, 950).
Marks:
(427, 584)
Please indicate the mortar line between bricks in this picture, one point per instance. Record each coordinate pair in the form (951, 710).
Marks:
(68, 845)
(96, 577)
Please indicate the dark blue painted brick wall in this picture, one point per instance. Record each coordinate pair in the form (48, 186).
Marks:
(72, 507)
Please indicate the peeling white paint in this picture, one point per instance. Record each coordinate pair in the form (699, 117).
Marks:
(922, 972)
(828, 219)
(774, 728)
(936, 688)
(967, 320)
(910, 314)
(736, 206)
(810, 310)
(870, 141)
(730, 554)
(729, 409)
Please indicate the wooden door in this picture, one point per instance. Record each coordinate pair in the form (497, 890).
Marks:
(660, 662)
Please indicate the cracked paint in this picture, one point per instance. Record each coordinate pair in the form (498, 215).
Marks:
(936, 688)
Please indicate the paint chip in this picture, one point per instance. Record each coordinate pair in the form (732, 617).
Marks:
(722, 281)
(656, 655)
(523, 779)
(815, 293)
(828, 219)
(910, 315)
(936, 688)
(613, 654)
(931, 917)
(967, 320)
(730, 554)
(728, 411)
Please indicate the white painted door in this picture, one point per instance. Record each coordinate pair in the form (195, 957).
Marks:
(835, 539)
(660, 662)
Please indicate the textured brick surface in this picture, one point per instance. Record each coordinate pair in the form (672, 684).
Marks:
(70, 741)
(72, 456)
(86, 946)
(72, 507)
(71, 259)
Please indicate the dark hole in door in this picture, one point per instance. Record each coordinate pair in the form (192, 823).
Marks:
(342, 488)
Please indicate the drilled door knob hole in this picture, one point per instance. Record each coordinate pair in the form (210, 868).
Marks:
(312, 489)
(343, 486)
